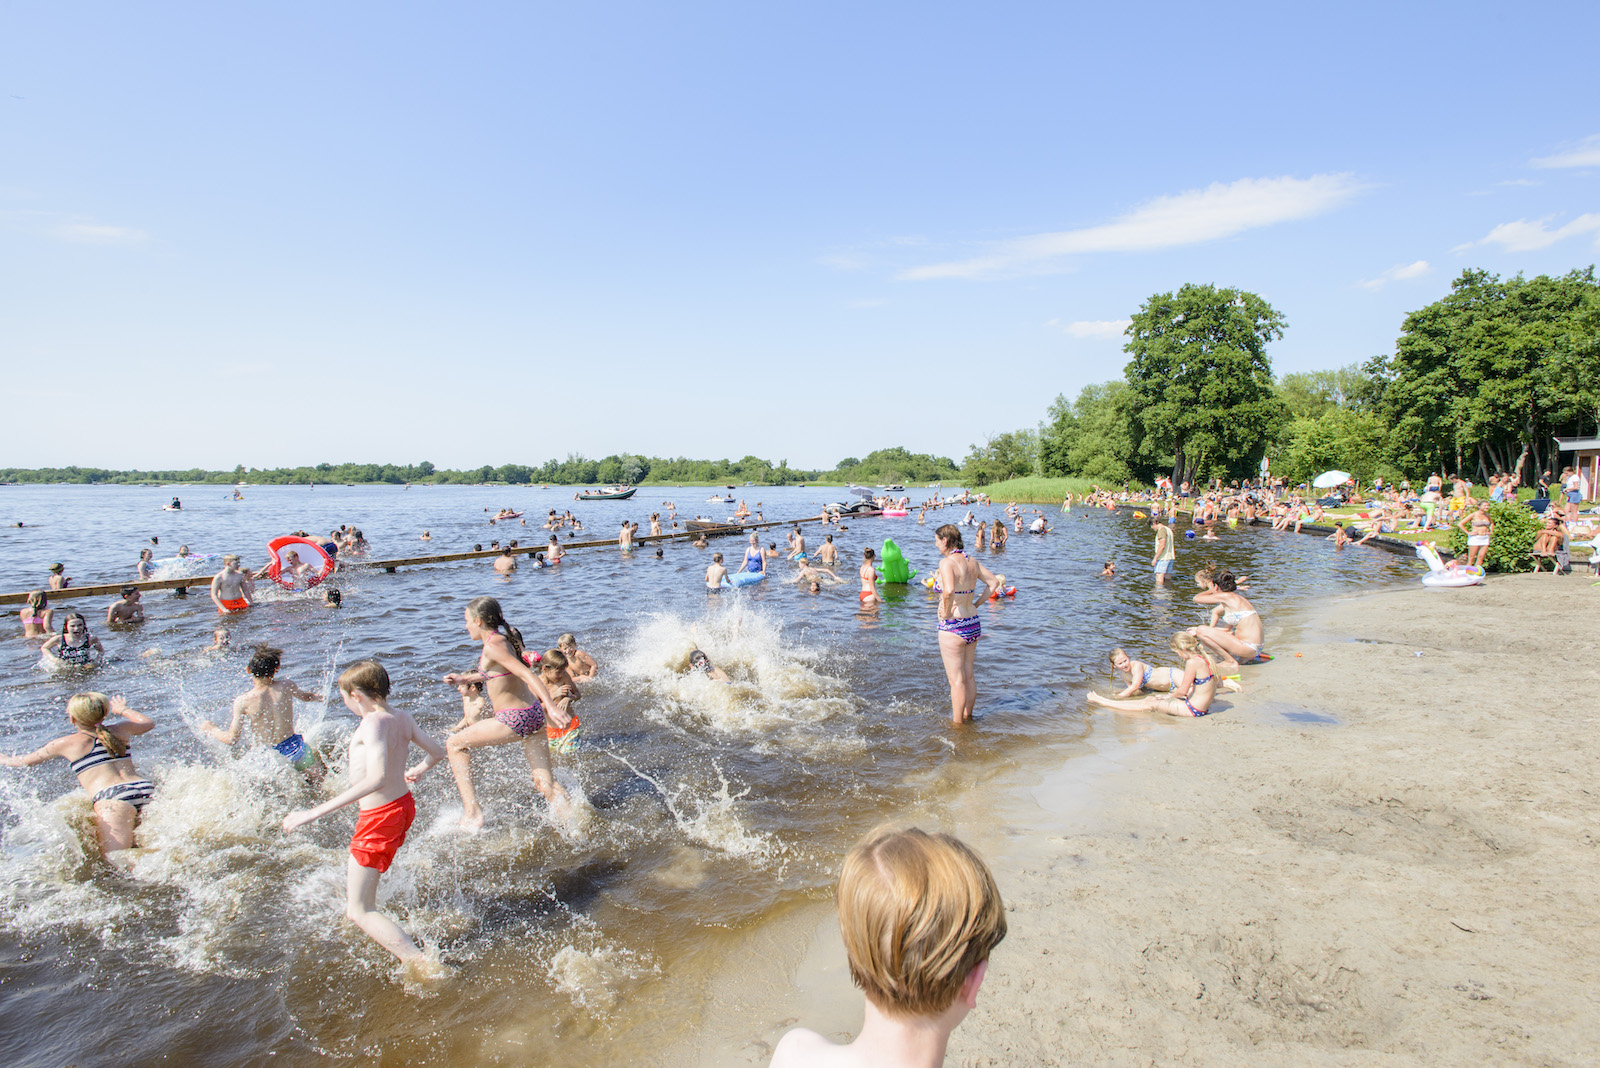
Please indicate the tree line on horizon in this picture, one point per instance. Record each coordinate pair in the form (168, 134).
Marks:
(895, 465)
(1479, 383)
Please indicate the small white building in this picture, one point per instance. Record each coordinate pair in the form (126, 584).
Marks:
(1585, 459)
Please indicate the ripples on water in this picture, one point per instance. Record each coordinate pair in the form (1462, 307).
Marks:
(704, 808)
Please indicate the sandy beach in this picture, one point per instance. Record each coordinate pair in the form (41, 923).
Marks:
(1384, 852)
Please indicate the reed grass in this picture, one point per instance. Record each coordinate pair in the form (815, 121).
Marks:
(1035, 490)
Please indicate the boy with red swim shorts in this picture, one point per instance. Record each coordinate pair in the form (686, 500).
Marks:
(378, 786)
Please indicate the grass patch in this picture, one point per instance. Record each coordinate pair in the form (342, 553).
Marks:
(1035, 490)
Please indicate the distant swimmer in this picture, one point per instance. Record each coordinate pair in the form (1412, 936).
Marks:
(716, 574)
(700, 541)
(269, 709)
(506, 562)
(38, 618)
(699, 661)
(580, 664)
(378, 779)
(231, 589)
(1109, 570)
(99, 756)
(959, 628)
(146, 567)
(552, 553)
(521, 703)
(827, 552)
(127, 609)
(74, 646)
(868, 574)
(1191, 695)
(58, 577)
(425, 536)
(1038, 526)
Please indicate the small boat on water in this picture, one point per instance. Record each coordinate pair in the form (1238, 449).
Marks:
(616, 493)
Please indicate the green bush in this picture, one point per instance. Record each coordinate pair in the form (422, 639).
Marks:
(1515, 527)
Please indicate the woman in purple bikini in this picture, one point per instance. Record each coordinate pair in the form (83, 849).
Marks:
(959, 629)
(520, 702)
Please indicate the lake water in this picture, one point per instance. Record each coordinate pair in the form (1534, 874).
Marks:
(706, 810)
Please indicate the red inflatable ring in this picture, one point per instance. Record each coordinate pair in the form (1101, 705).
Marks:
(308, 554)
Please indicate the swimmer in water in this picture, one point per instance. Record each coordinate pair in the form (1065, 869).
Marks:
(146, 566)
(580, 665)
(754, 558)
(716, 574)
(268, 707)
(1109, 570)
(425, 536)
(700, 541)
(521, 703)
(99, 755)
(699, 661)
(474, 705)
(219, 638)
(58, 577)
(506, 562)
(126, 610)
(74, 646)
(38, 618)
(554, 669)
(332, 597)
(868, 574)
(1191, 696)
(231, 588)
(827, 552)
(379, 788)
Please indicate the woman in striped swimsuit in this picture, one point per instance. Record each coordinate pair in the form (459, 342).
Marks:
(98, 755)
(520, 701)
(959, 629)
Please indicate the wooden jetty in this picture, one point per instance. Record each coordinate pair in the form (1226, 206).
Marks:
(203, 582)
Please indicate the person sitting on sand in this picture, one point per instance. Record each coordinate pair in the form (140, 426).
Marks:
(1235, 631)
(1192, 693)
(127, 609)
(379, 788)
(38, 618)
(919, 915)
(74, 646)
(99, 756)
(269, 709)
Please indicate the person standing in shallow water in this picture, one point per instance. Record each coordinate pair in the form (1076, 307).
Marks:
(959, 628)
(521, 703)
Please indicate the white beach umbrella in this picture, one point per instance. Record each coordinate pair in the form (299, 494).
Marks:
(1330, 479)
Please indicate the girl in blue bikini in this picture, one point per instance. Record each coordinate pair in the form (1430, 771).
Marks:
(959, 629)
(1193, 694)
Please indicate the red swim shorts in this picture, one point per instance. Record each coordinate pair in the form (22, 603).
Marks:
(380, 832)
(238, 604)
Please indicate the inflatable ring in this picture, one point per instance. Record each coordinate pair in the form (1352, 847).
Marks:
(746, 578)
(317, 557)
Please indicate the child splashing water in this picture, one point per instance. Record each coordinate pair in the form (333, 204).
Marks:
(1193, 694)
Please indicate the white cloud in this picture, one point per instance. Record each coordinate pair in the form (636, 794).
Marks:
(1518, 181)
(1099, 328)
(88, 233)
(844, 261)
(1585, 153)
(1398, 273)
(1528, 235)
(1186, 218)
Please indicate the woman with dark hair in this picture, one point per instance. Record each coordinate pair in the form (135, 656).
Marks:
(1235, 630)
(959, 629)
(520, 701)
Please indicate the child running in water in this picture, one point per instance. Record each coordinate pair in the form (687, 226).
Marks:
(378, 778)
(269, 708)
(554, 669)
(474, 704)
(1193, 694)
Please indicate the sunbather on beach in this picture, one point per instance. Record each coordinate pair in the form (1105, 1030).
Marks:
(1193, 694)
(1235, 631)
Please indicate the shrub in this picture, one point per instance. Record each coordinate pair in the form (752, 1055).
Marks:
(1515, 527)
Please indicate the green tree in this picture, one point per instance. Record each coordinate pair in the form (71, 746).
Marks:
(1089, 437)
(1201, 392)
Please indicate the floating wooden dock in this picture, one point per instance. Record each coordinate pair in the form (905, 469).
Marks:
(203, 582)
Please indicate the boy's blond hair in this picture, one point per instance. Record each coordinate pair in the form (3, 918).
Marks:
(554, 659)
(367, 676)
(917, 912)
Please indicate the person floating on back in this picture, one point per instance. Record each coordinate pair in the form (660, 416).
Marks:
(919, 914)
(378, 787)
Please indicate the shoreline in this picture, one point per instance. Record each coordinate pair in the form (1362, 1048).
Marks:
(1370, 856)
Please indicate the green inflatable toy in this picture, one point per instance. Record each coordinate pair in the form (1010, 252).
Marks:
(893, 566)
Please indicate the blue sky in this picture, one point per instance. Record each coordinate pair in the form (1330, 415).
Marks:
(499, 233)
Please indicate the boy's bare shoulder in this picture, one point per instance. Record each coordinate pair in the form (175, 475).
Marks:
(801, 1047)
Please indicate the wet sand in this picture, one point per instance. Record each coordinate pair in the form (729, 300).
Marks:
(1370, 857)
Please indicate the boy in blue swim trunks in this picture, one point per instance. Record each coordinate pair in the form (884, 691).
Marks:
(269, 708)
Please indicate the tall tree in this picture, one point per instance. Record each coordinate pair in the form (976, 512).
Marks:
(1200, 389)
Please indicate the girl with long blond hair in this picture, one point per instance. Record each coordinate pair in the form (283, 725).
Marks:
(1191, 695)
(98, 754)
